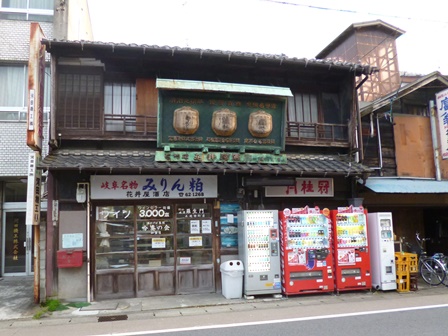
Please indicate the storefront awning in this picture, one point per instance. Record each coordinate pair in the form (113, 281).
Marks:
(178, 84)
(112, 161)
(406, 186)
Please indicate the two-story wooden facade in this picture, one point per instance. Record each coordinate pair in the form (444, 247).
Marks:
(405, 145)
(151, 146)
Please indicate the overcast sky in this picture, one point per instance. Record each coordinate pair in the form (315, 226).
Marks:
(297, 28)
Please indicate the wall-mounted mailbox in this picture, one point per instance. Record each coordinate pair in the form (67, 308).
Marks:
(69, 258)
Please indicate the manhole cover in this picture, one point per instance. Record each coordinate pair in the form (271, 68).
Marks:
(111, 318)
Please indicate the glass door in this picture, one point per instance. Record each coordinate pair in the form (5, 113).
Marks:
(18, 244)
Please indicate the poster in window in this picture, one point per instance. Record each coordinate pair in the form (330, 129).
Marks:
(194, 226)
(229, 224)
(158, 243)
(207, 226)
(195, 241)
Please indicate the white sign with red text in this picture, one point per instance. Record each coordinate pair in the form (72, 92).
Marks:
(304, 187)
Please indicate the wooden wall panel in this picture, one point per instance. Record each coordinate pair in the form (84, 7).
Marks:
(147, 97)
(413, 146)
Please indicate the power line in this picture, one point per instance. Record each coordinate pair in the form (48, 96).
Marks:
(352, 11)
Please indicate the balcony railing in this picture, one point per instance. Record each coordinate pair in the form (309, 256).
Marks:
(300, 133)
(138, 127)
(131, 125)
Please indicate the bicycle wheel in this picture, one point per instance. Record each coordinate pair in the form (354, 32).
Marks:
(432, 271)
(444, 260)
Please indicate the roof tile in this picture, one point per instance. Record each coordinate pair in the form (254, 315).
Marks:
(144, 161)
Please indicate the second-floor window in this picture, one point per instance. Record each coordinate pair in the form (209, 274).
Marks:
(119, 106)
(80, 100)
(316, 116)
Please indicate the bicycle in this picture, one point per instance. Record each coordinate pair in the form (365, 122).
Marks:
(431, 268)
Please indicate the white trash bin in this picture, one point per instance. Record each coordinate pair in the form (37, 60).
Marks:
(232, 272)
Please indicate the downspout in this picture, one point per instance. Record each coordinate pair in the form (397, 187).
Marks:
(435, 142)
(380, 148)
(89, 298)
(358, 133)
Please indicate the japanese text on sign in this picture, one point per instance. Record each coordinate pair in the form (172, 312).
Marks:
(153, 186)
(304, 187)
(442, 112)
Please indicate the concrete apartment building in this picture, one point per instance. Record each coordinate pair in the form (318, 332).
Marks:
(16, 238)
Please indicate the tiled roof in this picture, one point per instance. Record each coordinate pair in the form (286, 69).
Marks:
(144, 49)
(113, 161)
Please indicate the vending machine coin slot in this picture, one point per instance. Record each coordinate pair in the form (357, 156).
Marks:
(321, 254)
(306, 275)
(274, 249)
(311, 254)
(351, 272)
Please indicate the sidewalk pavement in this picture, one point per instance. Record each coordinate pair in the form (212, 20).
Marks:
(17, 307)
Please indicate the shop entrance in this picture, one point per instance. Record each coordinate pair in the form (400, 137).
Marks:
(18, 244)
(146, 250)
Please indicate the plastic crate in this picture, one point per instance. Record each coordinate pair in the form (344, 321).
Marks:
(406, 262)
(403, 283)
(413, 282)
(413, 263)
(401, 267)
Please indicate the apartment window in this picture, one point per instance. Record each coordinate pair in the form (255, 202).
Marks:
(80, 100)
(31, 10)
(14, 92)
(120, 106)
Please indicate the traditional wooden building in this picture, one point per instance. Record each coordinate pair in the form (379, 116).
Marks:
(404, 139)
(373, 43)
(154, 149)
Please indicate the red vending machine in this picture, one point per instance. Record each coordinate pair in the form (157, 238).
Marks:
(351, 249)
(305, 246)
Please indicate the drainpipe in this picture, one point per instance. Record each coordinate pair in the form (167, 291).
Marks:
(89, 205)
(380, 149)
(435, 142)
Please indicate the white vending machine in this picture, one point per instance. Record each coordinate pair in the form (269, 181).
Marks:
(382, 250)
(259, 250)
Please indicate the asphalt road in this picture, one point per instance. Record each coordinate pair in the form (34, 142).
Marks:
(402, 322)
(407, 315)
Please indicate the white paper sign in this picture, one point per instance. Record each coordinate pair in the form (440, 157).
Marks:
(185, 260)
(72, 240)
(207, 226)
(195, 241)
(158, 243)
(195, 226)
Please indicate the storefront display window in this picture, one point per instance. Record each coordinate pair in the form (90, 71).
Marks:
(158, 246)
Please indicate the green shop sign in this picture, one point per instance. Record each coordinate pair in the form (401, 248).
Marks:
(220, 120)
(220, 157)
